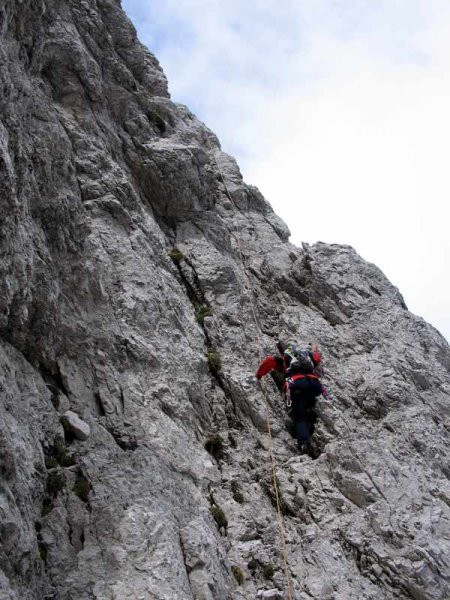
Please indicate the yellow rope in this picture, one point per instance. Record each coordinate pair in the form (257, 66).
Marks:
(248, 286)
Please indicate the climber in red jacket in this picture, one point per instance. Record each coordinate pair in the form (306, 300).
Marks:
(298, 379)
(282, 361)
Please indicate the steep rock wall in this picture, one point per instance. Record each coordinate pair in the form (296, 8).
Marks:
(101, 178)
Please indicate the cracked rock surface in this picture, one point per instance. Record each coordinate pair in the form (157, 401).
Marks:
(123, 299)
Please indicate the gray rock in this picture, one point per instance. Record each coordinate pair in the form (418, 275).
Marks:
(77, 426)
(122, 220)
(270, 594)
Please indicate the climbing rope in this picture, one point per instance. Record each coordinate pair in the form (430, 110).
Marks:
(277, 497)
(249, 288)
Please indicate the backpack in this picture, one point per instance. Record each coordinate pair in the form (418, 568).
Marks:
(298, 360)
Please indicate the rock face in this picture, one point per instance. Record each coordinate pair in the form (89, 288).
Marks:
(75, 426)
(123, 299)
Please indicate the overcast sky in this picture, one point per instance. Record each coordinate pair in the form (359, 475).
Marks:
(337, 110)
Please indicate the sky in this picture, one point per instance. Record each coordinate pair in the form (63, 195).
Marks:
(337, 110)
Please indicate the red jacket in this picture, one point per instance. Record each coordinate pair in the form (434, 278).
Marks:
(276, 363)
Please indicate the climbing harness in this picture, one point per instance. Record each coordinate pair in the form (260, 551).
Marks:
(291, 380)
(249, 288)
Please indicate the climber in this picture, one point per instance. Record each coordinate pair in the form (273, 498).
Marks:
(296, 372)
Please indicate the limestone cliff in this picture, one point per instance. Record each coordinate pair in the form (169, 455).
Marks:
(123, 299)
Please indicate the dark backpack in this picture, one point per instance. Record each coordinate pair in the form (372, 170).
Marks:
(298, 360)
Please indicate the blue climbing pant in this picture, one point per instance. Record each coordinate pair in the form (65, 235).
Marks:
(304, 394)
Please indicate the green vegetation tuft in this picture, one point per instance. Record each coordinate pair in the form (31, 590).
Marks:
(58, 455)
(214, 361)
(201, 312)
(63, 457)
(176, 255)
(238, 496)
(219, 516)
(51, 462)
(444, 498)
(238, 574)
(268, 571)
(81, 488)
(55, 483)
(214, 445)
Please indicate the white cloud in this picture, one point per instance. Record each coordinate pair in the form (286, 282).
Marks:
(337, 111)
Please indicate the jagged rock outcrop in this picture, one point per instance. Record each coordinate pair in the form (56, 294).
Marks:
(123, 300)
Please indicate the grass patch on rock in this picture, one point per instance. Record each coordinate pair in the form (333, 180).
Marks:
(176, 255)
(65, 459)
(238, 574)
(214, 361)
(81, 488)
(219, 516)
(57, 455)
(201, 312)
(51, 462)
(238, 496)
(54, 484)
(268, 571)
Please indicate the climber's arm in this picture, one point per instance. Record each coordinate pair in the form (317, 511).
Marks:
(270, 363)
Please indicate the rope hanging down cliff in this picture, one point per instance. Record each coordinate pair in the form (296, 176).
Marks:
(248, 287)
